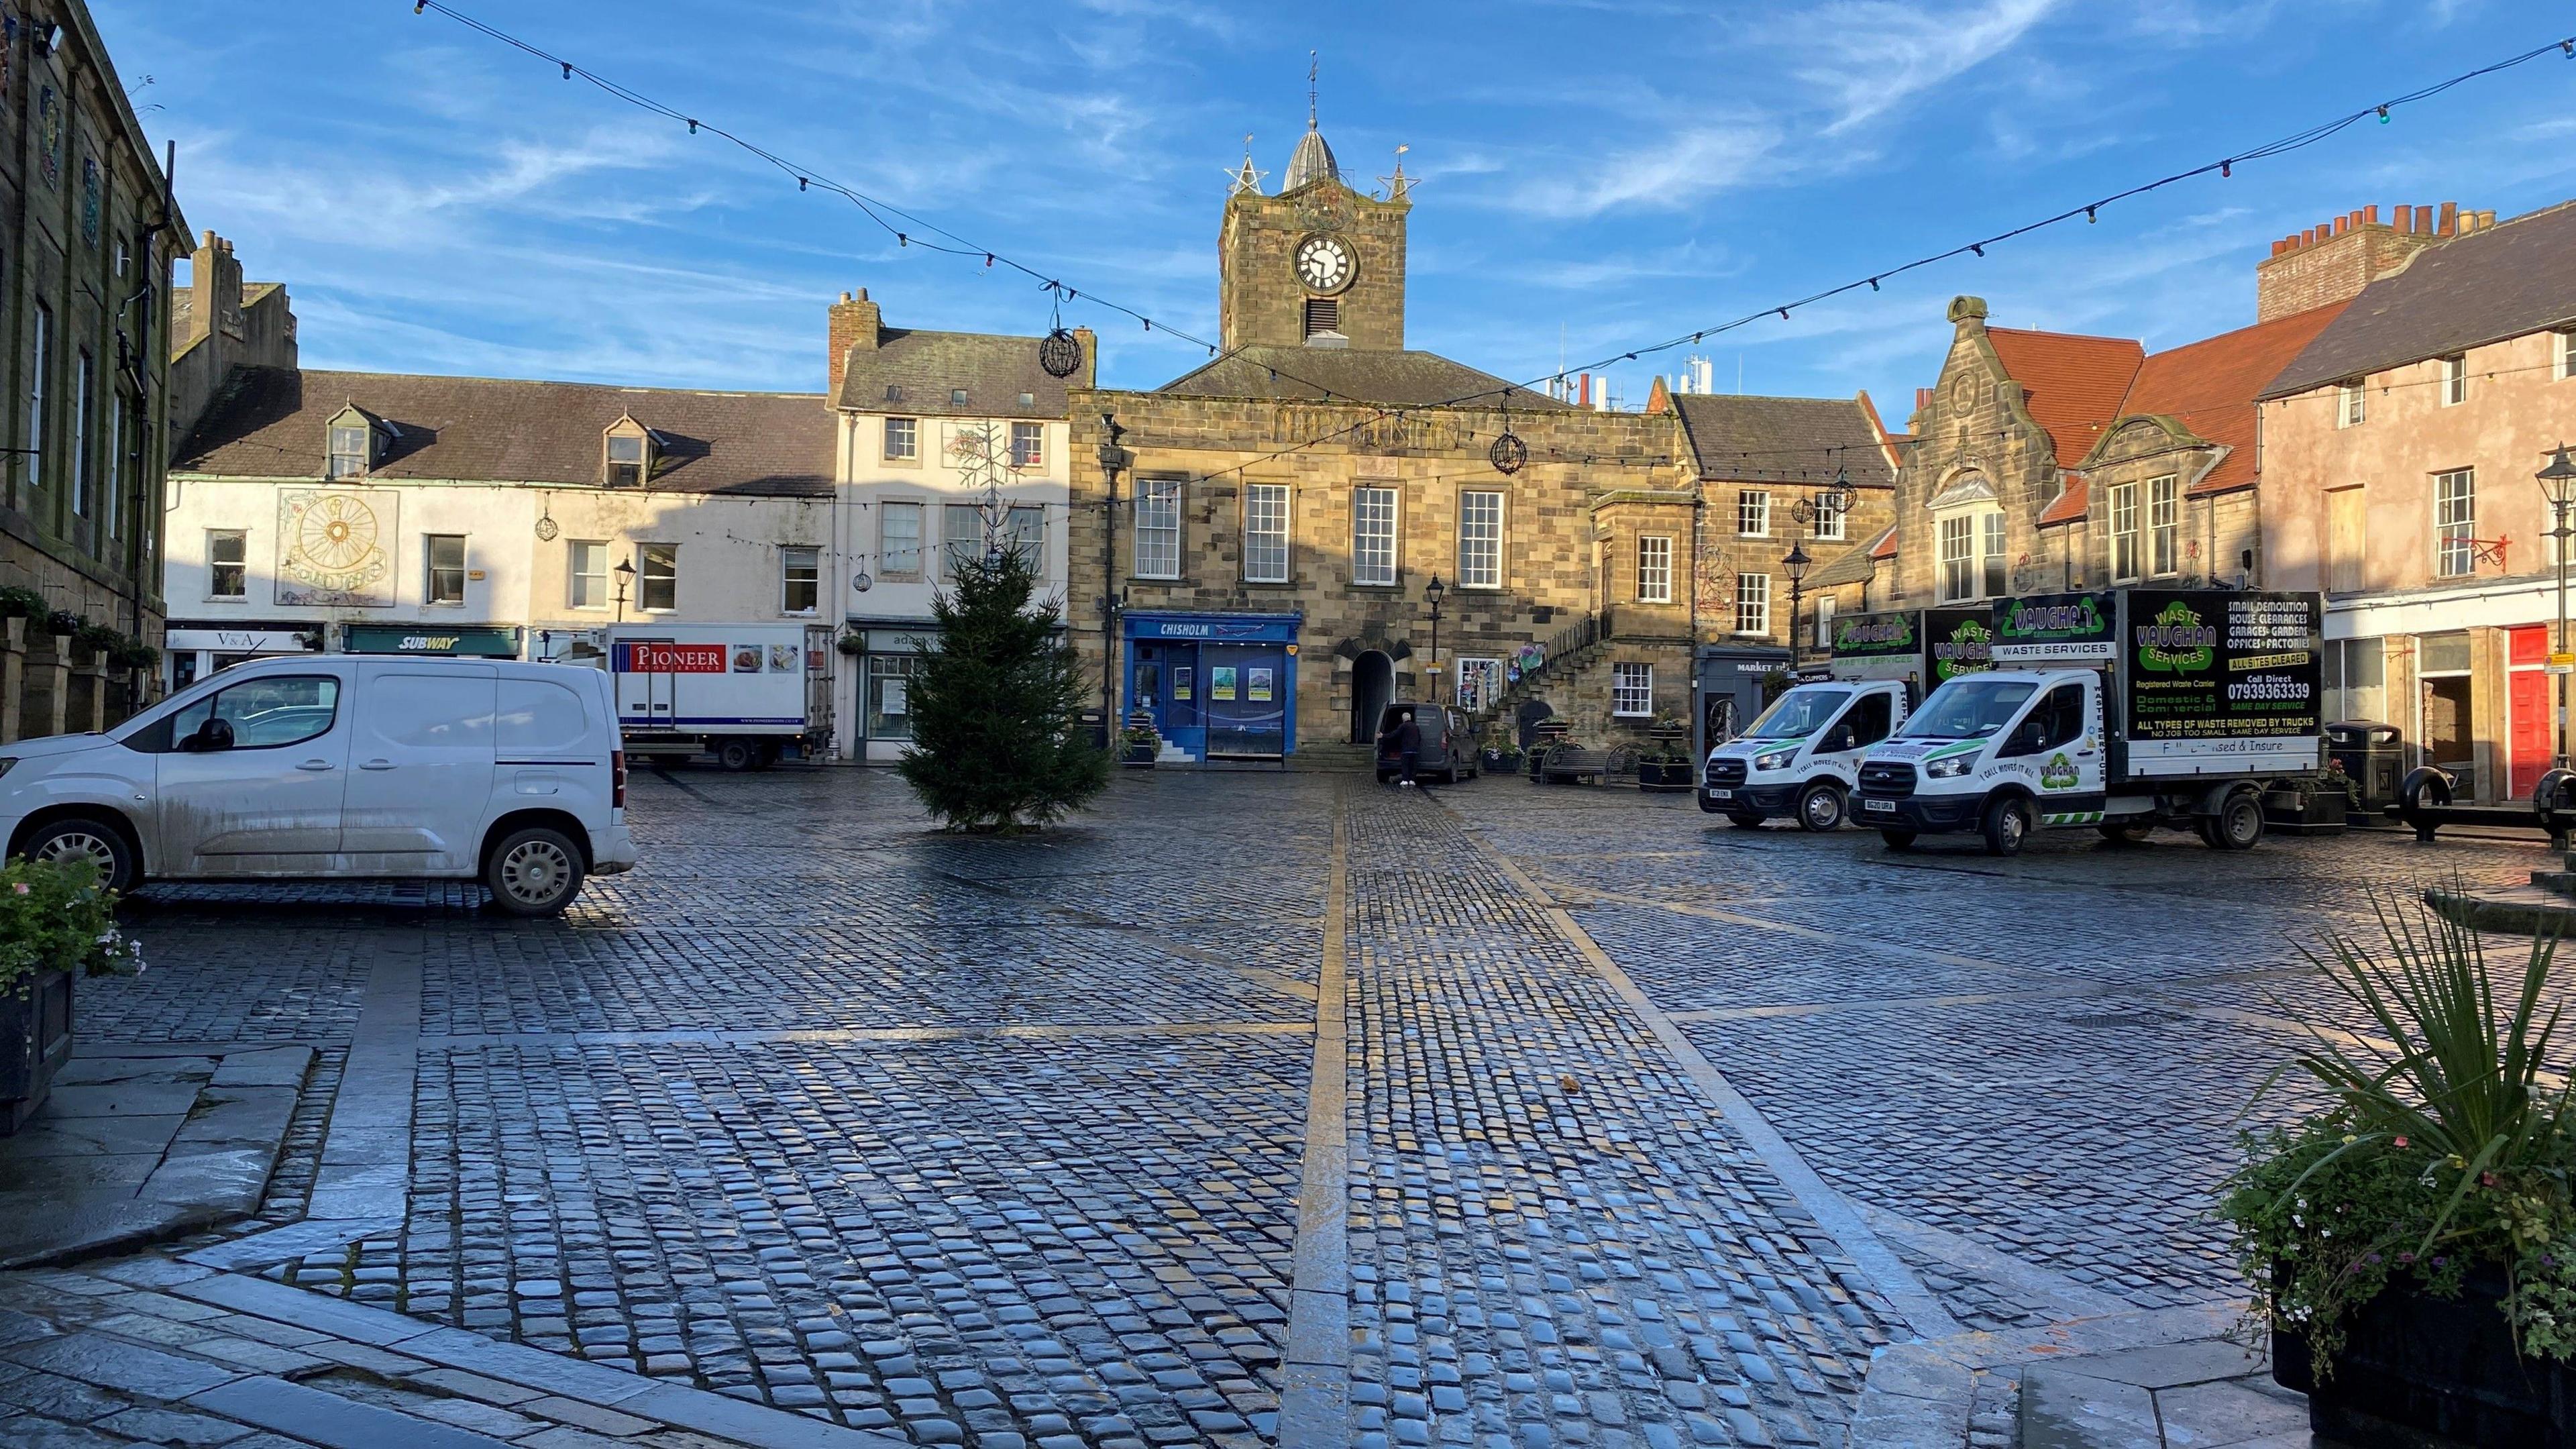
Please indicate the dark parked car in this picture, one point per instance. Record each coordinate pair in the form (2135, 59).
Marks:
(1448, 743)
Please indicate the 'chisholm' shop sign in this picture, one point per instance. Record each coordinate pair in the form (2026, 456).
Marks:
(2207, 664)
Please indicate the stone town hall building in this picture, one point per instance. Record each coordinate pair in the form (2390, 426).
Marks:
(1277, 518)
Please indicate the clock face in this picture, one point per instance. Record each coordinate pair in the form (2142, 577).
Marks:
(1324, 263)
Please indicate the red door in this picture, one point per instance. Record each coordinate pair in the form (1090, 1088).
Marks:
(2530, 733)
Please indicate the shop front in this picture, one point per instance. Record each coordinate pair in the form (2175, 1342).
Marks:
(887, 653)
(474, 641)
(1219, 686)
(1728, 693)
(195, 651)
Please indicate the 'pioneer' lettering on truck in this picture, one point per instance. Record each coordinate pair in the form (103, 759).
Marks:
(673, 659)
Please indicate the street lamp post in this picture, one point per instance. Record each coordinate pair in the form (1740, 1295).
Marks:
(1112, 458)
(1834, 502)
(1435, 592)
(1795, 561)
(2558, 484)
(625, 578)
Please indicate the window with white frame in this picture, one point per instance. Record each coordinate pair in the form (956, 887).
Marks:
(1654, 569)
(2352, 405)
(899, 540)
(800, 580)
(1824, 621)
(1830, 522)
(2566, 343)
(2124, 532)
(2455, 523)
(1480, 683)
(1990, 528)
(445, 583)
(1373, 535)
(1632, 690)
(2455, 380)
(657, 584)
(227, 563)
(902, 440)
(1752, 513)
(1752, 603)
(586, 569)
(1158, 528)
(1480, 540)
(1024, 534)
(2164, 525)
(961, 534)
(628, 459)
(1972, 563)
(348, 452)
(1028, 445)
(1265, 533)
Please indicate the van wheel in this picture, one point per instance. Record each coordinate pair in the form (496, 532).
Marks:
(1820, 807)
(533, 872)
(83, 837)
(1745, 820)
(2238, 824)
(1897, 839)
(737, 755)
(2122, 834)
(2007, 825)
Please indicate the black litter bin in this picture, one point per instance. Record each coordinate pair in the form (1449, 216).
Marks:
(2374, 755)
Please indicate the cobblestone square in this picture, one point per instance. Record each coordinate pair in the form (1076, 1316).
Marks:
(1625, 1127)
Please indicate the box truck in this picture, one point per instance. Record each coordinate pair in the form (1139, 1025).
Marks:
(744, 693)
(2121, 710)
(1802, 757)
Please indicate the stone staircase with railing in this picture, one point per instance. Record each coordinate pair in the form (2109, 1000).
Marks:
(1563, 653)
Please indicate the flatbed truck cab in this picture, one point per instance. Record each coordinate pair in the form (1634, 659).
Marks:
(2145, 708)
(1802, 757)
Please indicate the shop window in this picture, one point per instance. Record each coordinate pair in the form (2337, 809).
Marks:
(1632, 690)
(445, 583)
(1158, 528)
(1752, 603)
(1265, 533)
(899, 541)
(1480, 540)
(889, 695)
(1373, 535)
(1752, 513)
(2455, 523)
(657, 586)
(1654, 569)
(800, 580)
(1480, 683)
(586, 566)
(2355, 680)
(227, 563)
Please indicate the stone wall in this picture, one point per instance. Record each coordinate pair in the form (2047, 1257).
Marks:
(2333, 261)
(1260, 298)
(1973, 426)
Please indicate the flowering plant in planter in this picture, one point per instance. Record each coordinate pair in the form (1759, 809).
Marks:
(18, 603)
(59, 918)
(63, 623)
(2442, 1161)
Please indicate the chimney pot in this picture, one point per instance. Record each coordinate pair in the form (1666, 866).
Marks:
(2370, 214)
(2450, 219)
(2485, 219)
(1922, 398)
(2423, 221)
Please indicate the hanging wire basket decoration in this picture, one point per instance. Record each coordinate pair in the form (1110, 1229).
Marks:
(1059, 353)
(546, 529)
(1508, 453)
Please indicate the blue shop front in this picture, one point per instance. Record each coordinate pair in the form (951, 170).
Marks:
(1219, 686)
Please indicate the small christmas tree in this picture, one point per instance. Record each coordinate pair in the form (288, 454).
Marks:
(997, 742)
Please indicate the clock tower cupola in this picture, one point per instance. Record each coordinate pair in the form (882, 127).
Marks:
(1318, 264)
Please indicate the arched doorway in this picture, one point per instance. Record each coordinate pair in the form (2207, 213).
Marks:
(1531, 712)
(1372, 690)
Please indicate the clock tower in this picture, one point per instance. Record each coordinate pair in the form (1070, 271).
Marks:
(1318, 264)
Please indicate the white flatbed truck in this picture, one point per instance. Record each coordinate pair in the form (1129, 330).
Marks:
(2122, 710)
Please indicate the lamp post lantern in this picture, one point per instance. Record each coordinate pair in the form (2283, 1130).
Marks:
(625, 579)
(1434, 592)
(2558, 484)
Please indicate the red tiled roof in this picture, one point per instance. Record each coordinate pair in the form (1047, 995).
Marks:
(2210, 387)
(1886, 545)
(2070, 503)
(2072, 383)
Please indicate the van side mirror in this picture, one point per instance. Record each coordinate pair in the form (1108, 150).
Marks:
(215, 734)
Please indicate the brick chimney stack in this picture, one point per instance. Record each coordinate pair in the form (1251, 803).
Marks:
(212, 301)
(855, 324)
(2332, 261)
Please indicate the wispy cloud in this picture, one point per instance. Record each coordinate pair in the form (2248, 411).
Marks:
(1667, 173)
(1872, 56)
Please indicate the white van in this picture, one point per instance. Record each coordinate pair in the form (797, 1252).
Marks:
(1802, 757)
(342, 765)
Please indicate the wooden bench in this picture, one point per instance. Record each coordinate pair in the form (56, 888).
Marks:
(1564, 765)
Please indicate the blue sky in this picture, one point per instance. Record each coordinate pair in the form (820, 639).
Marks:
(1592, 173)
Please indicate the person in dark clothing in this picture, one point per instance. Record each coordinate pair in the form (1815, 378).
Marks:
(1408, 751)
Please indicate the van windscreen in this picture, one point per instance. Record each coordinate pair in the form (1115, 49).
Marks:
(1799, 713)
(1969, 708)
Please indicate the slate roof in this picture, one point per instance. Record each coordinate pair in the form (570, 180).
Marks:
(1352, 374)
(271, 422)
(2072, 383)
(995, 370)
(2513, 278)
(1854, 565)
(1749, 438)
(2209, 387)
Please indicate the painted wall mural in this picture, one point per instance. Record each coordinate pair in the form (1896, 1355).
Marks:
(334, 547)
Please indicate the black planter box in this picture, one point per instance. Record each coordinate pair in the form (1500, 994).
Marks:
(1138, 757)
(1652, 775)
(35, 1041)
(2291, 813)
(2419, 1372)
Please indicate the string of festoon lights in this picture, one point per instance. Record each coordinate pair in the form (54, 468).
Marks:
(1060, 354)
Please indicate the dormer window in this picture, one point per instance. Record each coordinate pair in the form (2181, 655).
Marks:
(629, 454)
(352, 445)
